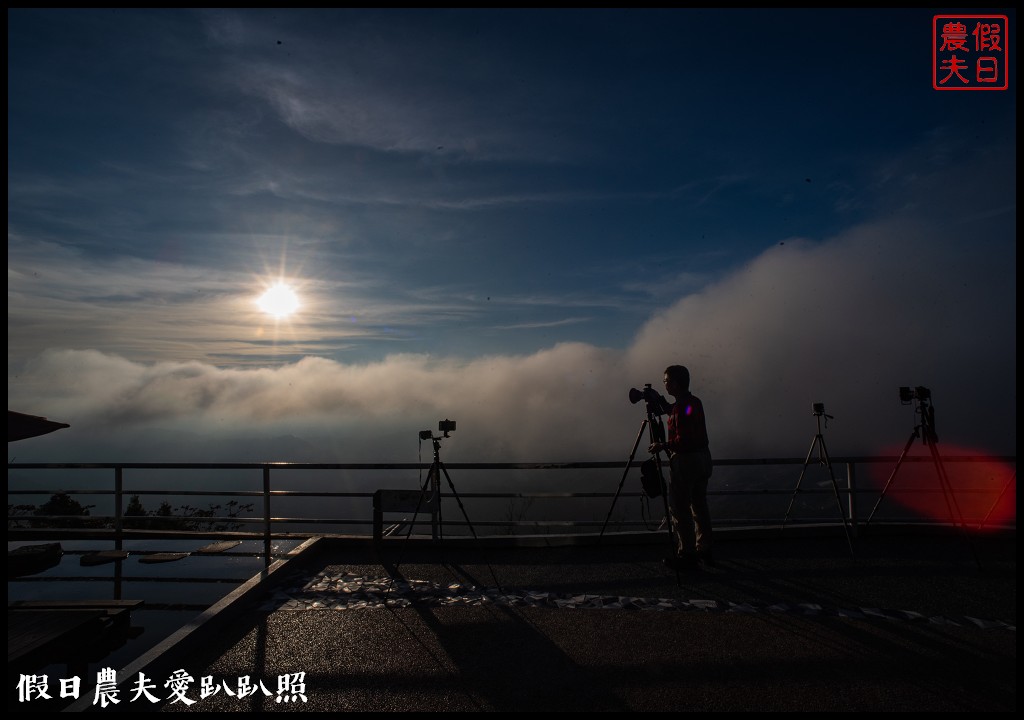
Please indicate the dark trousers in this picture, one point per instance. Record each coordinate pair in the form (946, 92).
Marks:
(688, 501)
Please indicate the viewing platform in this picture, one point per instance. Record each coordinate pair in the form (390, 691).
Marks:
(784, 622)
(546, 613)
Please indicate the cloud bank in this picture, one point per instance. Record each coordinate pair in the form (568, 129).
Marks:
(845, 322)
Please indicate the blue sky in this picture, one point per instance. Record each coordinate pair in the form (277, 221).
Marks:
(512, 216)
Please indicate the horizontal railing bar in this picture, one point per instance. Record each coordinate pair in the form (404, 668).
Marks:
(488, 466)
(494, 496)
(421, 520)
(135, 578)
(216, 493)
(26, 525)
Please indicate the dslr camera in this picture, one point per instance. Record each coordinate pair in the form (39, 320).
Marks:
(655, 402)
(908, 394)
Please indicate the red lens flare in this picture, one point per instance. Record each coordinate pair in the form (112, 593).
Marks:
(982, 489)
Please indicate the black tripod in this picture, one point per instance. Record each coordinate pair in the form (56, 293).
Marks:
(926, 431)
(430, 493)
(432, 487)
(1006, 486)
(823, 459)
(651, 422)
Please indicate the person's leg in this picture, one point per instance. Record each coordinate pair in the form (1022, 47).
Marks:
(701, 517)
(679, 507)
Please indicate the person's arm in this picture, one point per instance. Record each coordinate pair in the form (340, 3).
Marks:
(670, 443)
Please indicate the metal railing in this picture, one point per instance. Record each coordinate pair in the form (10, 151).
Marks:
(741, 493)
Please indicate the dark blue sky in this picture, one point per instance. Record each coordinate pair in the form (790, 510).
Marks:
(463, 185)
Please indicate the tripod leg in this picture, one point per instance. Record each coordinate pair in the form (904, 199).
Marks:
(658, 436)
(896, 469)
(670, 517)
(835, 491)
(458, 500)
(951, 503)
(434, 477)
(428, 488)
(618, 492)
(462, 507)
(1006, 486)
(799, 480)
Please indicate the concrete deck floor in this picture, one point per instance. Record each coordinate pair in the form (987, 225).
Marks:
(785, 622)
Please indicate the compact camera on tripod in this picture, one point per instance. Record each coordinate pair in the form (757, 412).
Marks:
(444, 427)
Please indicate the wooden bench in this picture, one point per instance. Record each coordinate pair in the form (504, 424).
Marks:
(403, 501)
(41, 632)
(111, 607)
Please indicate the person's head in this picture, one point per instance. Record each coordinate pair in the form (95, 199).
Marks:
(677, 380)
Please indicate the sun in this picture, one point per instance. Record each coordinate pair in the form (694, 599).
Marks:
(279, 300)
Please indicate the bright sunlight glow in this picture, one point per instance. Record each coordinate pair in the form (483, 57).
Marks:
(279, 301)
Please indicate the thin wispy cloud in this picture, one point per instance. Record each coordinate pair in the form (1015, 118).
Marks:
(548, 324)
(368, 86)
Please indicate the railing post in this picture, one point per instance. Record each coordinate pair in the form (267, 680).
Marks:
(118, 527)
(378, 517)
(851, 486)
(266, 515)
(118, 507)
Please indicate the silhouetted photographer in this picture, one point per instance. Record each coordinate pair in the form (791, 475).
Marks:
(690, 467)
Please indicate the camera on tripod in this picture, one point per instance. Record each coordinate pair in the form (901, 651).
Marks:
(652, 397)
(908, 394)
(444, 426)
(818, 410)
